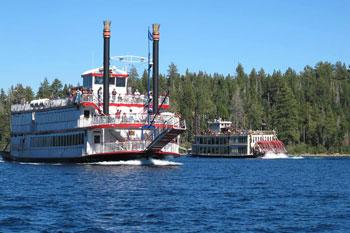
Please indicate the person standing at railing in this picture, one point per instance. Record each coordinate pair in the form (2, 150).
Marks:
(114, 93)
(77, 100)
(124, 117)
(70, 95)
(131, 116)
(117, 115)
(137, 96)
(91, 95)
(74, 95)
(99, 95)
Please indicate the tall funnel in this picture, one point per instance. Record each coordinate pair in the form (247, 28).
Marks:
(106, 36)
(155, 73)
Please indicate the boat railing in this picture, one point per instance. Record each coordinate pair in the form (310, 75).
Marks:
(41, 104)
(139, 145)
(53, 103)
(171, 147)
(121, 99)
(174, 122)
(133, 118)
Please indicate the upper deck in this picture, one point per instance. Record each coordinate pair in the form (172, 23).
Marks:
(91, 94)
(88, 100)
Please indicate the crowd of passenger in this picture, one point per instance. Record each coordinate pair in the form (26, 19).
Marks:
(77, 95)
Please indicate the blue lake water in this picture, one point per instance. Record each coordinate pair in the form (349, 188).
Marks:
(201, 195)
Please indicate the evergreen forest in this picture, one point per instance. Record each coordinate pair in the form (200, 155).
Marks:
(310, 110)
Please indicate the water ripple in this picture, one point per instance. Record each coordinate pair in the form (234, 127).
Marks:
(201, 195)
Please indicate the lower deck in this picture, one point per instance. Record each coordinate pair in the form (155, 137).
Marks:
(115, 156)
(88, 144)
(220, 150)
(240, 145)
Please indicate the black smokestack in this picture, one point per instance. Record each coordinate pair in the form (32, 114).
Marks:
(155, 74)
(106, 36)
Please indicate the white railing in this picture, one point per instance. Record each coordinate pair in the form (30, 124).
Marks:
(119, 146)
(122, 99)
(41, 105)
(129, 146)
(46, 103)
(168, 121)
(171, 147)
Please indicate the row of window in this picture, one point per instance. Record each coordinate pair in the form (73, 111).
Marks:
(59, 140)
(262, 138)
(221, 140)
(118, 82)
(223, 150)
(57, 116)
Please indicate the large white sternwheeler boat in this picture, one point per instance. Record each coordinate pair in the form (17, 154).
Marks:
(100, 121)
(222, 140)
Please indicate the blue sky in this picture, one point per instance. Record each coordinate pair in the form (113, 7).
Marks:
(61, 39)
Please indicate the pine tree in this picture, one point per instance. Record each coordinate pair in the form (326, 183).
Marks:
(285, 115)
(56, 89)
(44, 90)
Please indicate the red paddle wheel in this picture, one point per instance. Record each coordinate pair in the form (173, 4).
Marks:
(274, 146)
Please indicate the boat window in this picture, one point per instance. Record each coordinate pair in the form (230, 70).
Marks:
(81, 139)
(87, 81)
(97, 139)
(86, 113)
(70, 141)
(111, 81)
(74, 142)
(98, 80)
(120, 82)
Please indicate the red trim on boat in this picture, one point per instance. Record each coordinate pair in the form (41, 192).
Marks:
(168, 153)
(135, 152)
(91, 104)
(110, 75)
(165, 106)
(121, 152)
(127, 125)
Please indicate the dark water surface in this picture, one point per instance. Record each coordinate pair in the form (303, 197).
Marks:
(202, 195)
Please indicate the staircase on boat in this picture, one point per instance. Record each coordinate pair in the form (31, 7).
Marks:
(165, 137)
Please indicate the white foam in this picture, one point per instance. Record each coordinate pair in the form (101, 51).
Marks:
(271, 155)
(29, 163)
(143, 162)
(296, 157)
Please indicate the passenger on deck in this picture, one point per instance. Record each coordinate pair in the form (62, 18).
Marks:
(120, 98)
(78, 98)
(74, 95)
(124, 117)
(137, 96)
(117, 114)
(131, 116)
(114, 93)
(99, 95)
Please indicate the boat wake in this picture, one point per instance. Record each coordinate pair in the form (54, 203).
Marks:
(143, 162)
(271, 155)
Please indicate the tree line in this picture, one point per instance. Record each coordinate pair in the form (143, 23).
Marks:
(310, 110)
